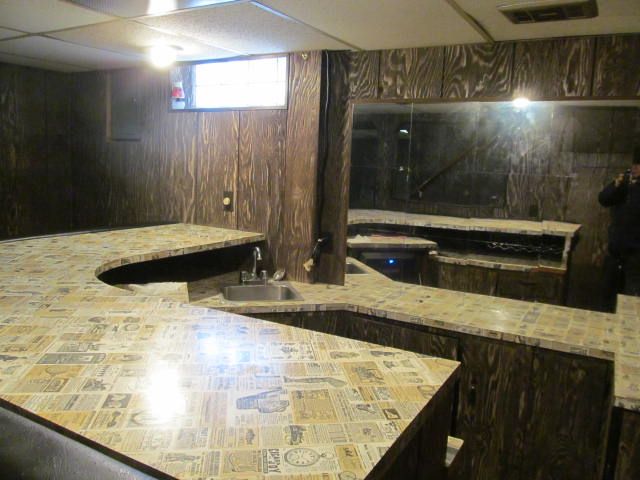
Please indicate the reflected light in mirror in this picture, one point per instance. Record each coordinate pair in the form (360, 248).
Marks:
(521, 102)
(164, 396)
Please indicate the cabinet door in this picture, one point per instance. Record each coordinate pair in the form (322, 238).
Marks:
(490, 418)
(628, 457)
(426, 343)
(570, 404)
(466, 278)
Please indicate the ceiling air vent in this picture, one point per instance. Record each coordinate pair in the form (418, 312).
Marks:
(549, 10)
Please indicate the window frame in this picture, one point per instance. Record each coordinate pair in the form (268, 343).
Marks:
(232, 59)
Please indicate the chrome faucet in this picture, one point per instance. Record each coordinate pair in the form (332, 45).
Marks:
(257, 255)
(252, 276)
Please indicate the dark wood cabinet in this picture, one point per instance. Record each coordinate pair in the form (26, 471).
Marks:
(532, 286)
(411, 73)
(490, 418)
(560, 67)
(627, 446)
(481, 70)
(617, 70)
(568, 417)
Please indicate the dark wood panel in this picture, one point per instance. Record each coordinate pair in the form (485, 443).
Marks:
(411, 73)
(89, 165)
(334, 177)
(261, 178)
(363, 74)
(553, 68)
(8, 152)
(35, 176)
(628, 458)
(531, 286)
(464, 278)
(299, 227)
(58, 139)
(493, 389)
(572, 397)
(217, 171)
(427, 343)
(617, 70)
(482, 70)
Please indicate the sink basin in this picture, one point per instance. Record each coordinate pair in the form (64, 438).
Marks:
(272, 292)
(354, 269)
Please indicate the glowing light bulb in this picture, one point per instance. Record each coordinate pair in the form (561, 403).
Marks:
(161, 56)
(521, 102)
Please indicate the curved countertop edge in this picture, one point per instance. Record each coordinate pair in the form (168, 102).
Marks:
(76, 280)
(160, 254)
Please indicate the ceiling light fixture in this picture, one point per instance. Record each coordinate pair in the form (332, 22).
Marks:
(162, 56)
(521, 102)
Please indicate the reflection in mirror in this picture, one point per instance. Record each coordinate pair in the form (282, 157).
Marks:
(434, 157)
(468, 173)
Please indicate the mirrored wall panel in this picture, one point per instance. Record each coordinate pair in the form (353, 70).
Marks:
(486, 159)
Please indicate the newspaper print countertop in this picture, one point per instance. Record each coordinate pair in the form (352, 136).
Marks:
(525, 227)
(189, 391)
(595, 334)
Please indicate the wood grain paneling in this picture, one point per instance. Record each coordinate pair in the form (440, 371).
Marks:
(553, 68)
(617, 70)
(483, 70)
(334, 177)
(299, 227)
(261, 178)
(570, 442)
(363, 74)
(493, 390)
(463, 278)
(35, 176)
(411, 73)
(217, 170)
(628, 456)
(418, 341)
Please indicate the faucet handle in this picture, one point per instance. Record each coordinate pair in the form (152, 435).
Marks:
(244, 276)
(264, 276)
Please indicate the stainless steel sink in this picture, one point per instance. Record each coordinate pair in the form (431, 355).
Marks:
(271, 292)
(352, 268)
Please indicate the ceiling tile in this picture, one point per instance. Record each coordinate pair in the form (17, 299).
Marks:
(137, 8)
(615, 16)
(382, 24)
(62, 52)
(45, 15)
(245, 28)
(129, 37)
(34, 62)
(8, 33)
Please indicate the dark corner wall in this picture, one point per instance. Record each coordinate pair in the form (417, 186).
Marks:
(35, 162)
(61, 170)
(562, 184)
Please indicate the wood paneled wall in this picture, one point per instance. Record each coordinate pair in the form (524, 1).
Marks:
(35, 170)
(582, 67)
(185, 161)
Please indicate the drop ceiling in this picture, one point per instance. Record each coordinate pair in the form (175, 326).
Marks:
(79, 35)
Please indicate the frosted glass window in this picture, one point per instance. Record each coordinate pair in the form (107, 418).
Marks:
(260, 82)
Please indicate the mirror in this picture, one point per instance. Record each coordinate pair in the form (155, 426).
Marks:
(476, 158)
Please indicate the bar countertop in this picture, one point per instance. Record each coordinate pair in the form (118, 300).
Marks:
(614, 337)
(190, 391)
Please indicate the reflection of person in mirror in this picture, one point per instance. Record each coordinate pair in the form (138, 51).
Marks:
(622, 265)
